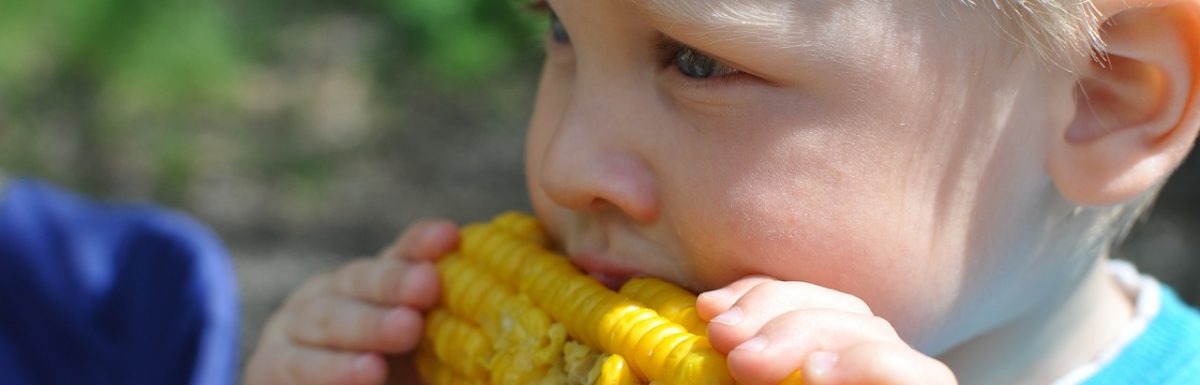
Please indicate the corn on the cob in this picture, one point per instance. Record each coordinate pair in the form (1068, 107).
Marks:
(457, 344)
(504, 286)
(432, 370)
(670, 301)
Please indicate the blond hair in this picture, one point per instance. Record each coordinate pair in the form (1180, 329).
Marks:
(1060, 31)
(1055, 30)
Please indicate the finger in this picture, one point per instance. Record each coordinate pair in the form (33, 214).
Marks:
(307, 366)
(783, 343)
(340, 323)
(389, 282)
(711, 303)
(316, 286)
(261, 367)
(876, 363)
(424, 240)
(770, 299)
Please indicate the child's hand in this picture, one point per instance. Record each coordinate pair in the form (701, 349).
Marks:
(771, 328)
(336, 327)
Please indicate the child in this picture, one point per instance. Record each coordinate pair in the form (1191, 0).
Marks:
(873, 192)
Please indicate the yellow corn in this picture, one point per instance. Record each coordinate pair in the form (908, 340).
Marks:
(522, 226)
(544, 322)
(432, 370)
(670, 301)
(457, 344)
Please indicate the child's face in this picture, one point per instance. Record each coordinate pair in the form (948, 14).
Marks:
(892, 150)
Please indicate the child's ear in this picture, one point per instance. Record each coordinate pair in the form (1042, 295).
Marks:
(1138, 109)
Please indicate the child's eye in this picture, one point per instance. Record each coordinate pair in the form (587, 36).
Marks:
(696, 65)
(557, 31)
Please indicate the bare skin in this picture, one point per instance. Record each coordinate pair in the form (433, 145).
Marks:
(355, 325)
(874, 193)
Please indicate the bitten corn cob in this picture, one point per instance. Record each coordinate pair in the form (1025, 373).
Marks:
(514, 313)
(670, 301)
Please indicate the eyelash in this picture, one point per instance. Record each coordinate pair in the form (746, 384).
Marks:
(670, 50)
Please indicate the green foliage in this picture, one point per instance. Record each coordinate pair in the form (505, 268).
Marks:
(102, 94)
(151, 54)
(119, 74)
(466, 39)
(160, 55)
(180, 53)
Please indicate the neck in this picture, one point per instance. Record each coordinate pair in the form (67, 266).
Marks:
(1054, 337)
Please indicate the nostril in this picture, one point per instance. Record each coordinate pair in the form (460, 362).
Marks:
(602, 186)
(583, 170)
(598, 204)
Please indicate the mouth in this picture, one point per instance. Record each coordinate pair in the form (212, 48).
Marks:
(604, 270)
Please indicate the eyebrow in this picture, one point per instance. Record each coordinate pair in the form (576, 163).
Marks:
(721, 16)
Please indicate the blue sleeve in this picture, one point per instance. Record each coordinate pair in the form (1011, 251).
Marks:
(111, 294)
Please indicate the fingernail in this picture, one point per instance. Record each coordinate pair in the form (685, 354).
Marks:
(820, 362)
(733, 316)
(407, 284)
(363, 363)
(754, 345)
(414, 271)
(367, 369)
(719, 294)
(429, 233)
(397, 318)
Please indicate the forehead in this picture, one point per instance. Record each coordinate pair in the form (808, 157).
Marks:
(761, 21)
(769, 21)
(709, 12)
(803, 23)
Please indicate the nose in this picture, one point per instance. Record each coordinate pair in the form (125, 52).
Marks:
(595, 160)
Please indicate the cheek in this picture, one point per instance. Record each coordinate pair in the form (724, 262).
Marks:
(797, 233)
(881, 256)
(800, 210)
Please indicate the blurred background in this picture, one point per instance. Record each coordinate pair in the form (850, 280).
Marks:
(308, 133)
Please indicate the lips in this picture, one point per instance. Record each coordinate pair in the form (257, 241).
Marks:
(603, 269)
(590, 240)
